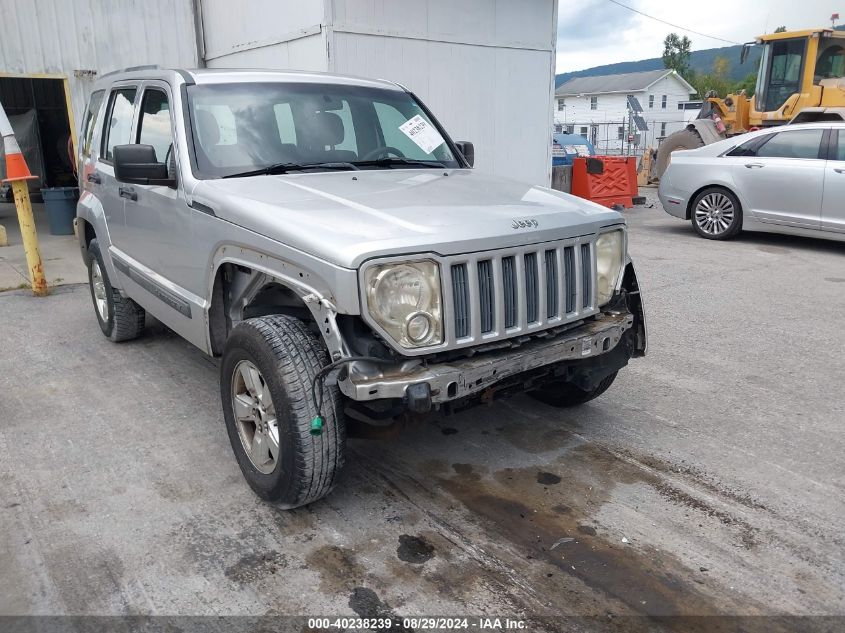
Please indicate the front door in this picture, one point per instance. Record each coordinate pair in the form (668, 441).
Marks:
(783, 179)
(158, 220)
(833, 205)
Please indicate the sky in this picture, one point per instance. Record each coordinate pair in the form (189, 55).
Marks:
(596, 32)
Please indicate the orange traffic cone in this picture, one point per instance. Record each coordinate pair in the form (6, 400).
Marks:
(17, 173)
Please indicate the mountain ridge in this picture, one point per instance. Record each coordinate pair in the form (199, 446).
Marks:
(700, 62)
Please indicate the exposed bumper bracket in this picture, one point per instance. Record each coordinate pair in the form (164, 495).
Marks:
(454, 380)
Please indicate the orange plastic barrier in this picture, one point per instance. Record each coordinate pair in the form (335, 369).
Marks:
(606, 180)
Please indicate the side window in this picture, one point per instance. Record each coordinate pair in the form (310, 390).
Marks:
(284, 119)
(749, 148)
(118, 123)
(154, 124)
(90, 122)
(792, 144)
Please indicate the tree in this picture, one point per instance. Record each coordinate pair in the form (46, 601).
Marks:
(780, 29)
(676, 53)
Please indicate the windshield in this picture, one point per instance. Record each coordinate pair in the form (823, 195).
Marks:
(249, 127)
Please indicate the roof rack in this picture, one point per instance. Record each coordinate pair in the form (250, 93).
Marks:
(131, 68)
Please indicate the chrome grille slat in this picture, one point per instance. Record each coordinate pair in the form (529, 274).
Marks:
(569, 276)
(586, 276)
(509, 295)
(551, 283)
(460, 297)
(486, 295)
(532, 298)
(496, 295)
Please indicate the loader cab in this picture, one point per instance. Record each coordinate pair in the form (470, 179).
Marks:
(793, 63)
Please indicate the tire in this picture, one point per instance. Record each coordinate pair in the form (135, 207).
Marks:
(120, 318)
(716, 214)
(682, 139)
(287, 356)
(565, 394)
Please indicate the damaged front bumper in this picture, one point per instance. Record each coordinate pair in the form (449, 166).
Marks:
(422, 386)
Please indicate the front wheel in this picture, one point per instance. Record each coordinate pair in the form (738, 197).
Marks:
(565, 394)
(716, 214)
(266, 373)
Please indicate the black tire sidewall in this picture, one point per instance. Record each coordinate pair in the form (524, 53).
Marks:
(734, 227)
(94, 254)
(246, 344)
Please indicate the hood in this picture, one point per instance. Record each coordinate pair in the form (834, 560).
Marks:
(351, 216)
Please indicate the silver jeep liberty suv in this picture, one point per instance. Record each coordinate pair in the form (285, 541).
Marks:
(328, 241)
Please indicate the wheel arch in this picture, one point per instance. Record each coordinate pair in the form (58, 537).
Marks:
(241, 288)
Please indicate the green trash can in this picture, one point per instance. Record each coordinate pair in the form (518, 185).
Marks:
(60, 203)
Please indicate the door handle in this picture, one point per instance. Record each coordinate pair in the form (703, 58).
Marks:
(838, 170)
(128, 193)
(754, 165)
(95, 178)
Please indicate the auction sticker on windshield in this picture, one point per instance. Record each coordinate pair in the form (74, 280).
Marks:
(422, 133)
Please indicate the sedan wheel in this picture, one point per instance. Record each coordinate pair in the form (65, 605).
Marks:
(716, 214)
(255, 416)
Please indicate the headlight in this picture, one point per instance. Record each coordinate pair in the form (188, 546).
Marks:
(404, 299)
(610, 255)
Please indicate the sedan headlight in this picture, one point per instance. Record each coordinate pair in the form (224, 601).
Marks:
(404, 299)
(610, 255)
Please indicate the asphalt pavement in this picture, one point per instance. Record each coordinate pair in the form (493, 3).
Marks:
(708, 480)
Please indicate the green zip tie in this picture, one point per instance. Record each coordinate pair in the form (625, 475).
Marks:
(317, 426)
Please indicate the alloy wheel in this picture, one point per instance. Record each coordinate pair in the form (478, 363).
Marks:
(98, 285)
(255, 417)
(714, 213)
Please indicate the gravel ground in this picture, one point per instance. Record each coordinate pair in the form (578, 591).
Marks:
(707, 481)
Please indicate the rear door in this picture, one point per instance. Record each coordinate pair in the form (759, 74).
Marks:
(783, 179)
(833, 205)
(117, 130)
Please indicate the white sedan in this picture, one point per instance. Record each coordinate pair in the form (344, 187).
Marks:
(788, 179)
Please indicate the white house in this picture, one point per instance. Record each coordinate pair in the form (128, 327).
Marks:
(597, 108)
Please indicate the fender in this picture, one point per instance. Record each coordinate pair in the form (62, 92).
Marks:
(310, 288)
(706, 129)
(91, 210)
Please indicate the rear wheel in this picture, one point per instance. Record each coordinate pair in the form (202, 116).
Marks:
(716, 214)
(120, 318)
(265, 384)
(682, 139)
(565, 394)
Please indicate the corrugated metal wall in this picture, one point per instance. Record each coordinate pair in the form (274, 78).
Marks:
(64, 36)
(484, 67)
(265, 34)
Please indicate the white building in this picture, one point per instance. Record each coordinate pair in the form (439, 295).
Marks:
(598, 108)
(484, 67)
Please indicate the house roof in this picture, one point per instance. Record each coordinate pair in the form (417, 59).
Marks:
(624, 82)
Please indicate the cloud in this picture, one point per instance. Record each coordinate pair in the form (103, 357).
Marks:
(591, 20)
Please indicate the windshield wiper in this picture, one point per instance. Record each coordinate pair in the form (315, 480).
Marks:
(387, 162)
(283, 168)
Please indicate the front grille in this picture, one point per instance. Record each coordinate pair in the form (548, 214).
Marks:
(519, 290)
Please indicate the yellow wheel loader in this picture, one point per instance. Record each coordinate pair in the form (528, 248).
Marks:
(801, 78)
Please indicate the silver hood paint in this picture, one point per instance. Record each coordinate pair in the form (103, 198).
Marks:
(351, 216)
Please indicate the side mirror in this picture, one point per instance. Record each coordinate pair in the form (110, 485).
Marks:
(137, 164)
(468, 150)
(743, 54)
